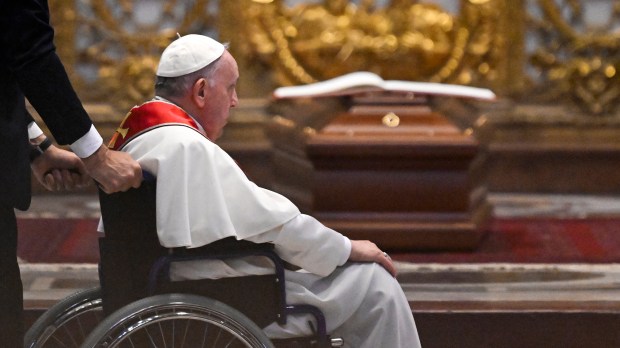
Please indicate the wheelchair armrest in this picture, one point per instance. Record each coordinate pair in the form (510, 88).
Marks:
(227, 248)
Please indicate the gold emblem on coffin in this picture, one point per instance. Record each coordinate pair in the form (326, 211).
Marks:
(391, 120)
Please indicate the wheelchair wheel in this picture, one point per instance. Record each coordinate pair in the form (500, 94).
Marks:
(68, 322)
(177, 320)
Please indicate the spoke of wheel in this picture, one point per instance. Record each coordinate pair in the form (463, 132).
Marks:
(151, 337)
(232, 340)
(185, 333)
(59, 341)
(161, 332)
(204, 336)
(70, 334)
(129, 337)
(217, 338)
(80, 328)
(173, 331)
(79, 322)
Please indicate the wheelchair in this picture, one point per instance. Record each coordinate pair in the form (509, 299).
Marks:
(137, 305)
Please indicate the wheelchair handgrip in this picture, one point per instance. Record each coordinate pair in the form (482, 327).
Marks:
(147, 176)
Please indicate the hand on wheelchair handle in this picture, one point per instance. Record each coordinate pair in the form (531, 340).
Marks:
(113, 171)
(367, 251)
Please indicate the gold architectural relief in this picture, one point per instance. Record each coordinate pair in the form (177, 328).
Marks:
(576, 60)
(111, 48)
(403, 40)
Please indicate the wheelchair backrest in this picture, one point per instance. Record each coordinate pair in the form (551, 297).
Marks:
(130, 245)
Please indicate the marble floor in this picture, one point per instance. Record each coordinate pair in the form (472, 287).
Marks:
(465, 287)
(428, 286)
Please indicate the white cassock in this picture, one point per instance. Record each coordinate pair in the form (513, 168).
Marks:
(203, 196)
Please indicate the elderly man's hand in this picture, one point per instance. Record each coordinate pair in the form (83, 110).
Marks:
(113, 170)
(366, 251)
(57, 169)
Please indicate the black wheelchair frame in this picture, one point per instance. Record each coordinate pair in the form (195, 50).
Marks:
(134, 271)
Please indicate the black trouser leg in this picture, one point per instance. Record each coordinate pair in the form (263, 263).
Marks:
(11, 292)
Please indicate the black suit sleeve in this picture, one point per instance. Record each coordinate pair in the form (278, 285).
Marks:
(29, 118)
(39, 72)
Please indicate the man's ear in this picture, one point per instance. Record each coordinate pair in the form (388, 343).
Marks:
(199, 91)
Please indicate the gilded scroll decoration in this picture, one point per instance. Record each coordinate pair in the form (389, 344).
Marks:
(576, 58)
(403, 40)
(116, 44)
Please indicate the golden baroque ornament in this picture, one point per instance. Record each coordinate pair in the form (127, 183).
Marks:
(116, 44)
(403, 39)
(576, 58)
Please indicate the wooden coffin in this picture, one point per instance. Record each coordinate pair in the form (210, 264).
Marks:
(393, 172)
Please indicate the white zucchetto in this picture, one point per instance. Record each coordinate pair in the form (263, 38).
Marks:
(187, 54)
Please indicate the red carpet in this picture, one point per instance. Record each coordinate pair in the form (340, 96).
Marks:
(538, 240)
(519, 240)
(58, 240)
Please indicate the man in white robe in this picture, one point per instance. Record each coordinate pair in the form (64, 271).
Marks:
(203, 196)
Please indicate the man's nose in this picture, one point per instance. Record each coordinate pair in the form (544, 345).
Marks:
(234, 100)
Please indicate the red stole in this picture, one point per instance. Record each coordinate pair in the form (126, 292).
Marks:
(150, 115)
